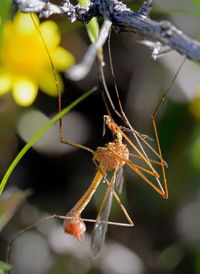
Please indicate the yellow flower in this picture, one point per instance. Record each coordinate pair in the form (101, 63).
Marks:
(24, 63)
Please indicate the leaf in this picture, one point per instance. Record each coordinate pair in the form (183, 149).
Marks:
(4, 267)
(4, 15)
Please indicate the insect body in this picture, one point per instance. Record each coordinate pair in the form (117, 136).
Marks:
(111, 157)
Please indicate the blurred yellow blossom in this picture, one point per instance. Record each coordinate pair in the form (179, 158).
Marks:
(194, 106)
(24, 63)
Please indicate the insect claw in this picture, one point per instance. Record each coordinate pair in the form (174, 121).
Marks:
(165, 196)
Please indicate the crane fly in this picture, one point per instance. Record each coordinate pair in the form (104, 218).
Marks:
(111, 158)
(111, 154)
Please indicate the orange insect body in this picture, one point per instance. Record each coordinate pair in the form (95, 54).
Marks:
(111, 125)
(115, 154)
(75, 227)
(111, 157)
(107, 156)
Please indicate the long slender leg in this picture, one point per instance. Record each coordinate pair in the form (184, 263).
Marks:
(85, 199)
(100, 228)
(59, 93)
(163, 193)
(152, 161)
(130, 222)
(122, 114)
(146, 180)
(154, 115)
(54, 216)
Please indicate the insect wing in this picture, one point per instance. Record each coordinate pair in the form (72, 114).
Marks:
(101, 226)
(120, 180)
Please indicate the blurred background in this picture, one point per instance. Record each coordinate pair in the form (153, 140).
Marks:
(51, 177)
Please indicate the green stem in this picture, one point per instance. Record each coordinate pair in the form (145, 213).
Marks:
(93, 26)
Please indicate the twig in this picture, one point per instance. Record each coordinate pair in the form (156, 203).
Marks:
(123, 19)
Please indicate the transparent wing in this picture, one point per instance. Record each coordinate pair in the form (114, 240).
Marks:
(101, 225)
(120, 180)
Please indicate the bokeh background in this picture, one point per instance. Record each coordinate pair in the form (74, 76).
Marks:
(166, 236)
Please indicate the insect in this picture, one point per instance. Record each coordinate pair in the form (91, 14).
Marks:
(112, 157)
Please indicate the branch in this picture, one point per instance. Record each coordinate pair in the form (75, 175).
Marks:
(163, 32)
(123, 19)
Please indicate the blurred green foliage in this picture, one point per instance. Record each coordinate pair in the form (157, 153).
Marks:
(92, 27)
(4, 267)
(10, 204)
(4, 15)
